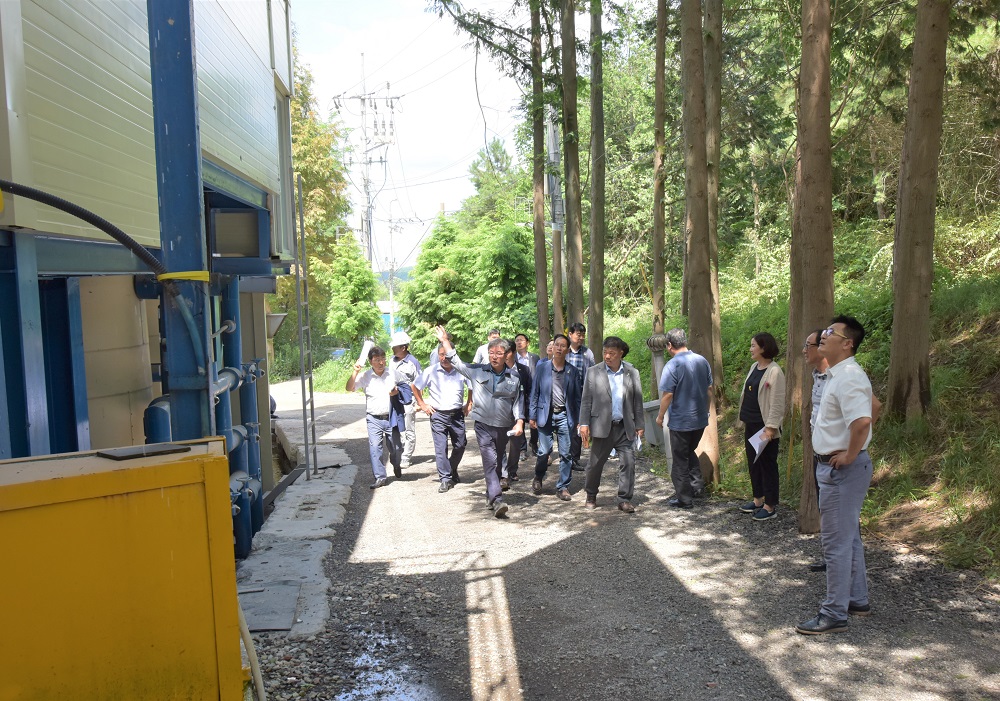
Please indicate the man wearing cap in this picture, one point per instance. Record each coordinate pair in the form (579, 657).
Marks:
(840, 440)
(405, 368)
(498, 409)
(447, 408)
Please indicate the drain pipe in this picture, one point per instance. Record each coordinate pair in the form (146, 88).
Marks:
(232, 353)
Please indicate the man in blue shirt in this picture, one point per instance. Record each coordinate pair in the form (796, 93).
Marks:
(685, 383)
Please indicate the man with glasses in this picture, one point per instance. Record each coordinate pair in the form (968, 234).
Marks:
(447, 408)
(498, 409)
(840, 440)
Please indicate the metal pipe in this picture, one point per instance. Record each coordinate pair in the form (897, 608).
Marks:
(156, 420)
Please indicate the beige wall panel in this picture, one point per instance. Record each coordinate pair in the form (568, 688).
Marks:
(113, 317)
(116, 356)
(116, 421)
(88, 107)
(236, 88)
(90, 113)
(282, 54)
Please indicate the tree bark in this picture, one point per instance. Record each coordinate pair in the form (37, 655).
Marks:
(913, 250)
(557, 281)
(713, 145)
(571, 160)
(815, 192)
(538, 178)
(699, 275)
(659, 174)
(595, 315)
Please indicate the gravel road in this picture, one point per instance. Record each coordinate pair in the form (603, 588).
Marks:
(434, 599)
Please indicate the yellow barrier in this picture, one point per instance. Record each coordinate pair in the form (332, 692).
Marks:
(118, 578)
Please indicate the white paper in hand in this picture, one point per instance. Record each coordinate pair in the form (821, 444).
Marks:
(757, 441)
(363, 358)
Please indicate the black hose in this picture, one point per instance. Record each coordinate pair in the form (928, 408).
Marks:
(86, 215)
(124, 239)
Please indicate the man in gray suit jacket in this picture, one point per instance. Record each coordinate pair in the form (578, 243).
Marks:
(611, 415)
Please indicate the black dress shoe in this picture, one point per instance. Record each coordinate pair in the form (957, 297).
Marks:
(397, 470)
(859, 610)
(817, 567)
(380, 482)
(454, 478)
(678, 504)
(820, 625)
(577, 467)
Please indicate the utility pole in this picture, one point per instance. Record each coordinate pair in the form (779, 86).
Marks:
(381, 134)
(558, 215)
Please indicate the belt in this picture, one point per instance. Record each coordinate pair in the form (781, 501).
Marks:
(826, 458)
(556, 412)
(448, 411)
(383, 417)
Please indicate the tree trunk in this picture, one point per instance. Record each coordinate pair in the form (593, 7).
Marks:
(557, 281)
(699, 259)
(913, 251)
(659, 173)
(815, 192)
(713, 146)
(571, 168)
(538, 179)
(595, 316)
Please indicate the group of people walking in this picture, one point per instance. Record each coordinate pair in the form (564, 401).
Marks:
(569, 402)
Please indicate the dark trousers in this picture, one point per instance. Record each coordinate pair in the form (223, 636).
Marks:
(575, 446)
(448, 425)
(763, 469)
(686, 470)
(600, 451)
(533, 442)
(492, 444)
(508, 465)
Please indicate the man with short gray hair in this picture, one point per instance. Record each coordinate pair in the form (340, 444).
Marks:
(685, 383)
(497, 409)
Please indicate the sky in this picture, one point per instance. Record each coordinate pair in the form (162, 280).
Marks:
(443, 109)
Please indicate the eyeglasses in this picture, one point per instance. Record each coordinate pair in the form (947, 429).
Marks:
(831, 332)
(808, 345)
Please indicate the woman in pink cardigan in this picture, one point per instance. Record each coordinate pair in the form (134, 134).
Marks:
(762, 408)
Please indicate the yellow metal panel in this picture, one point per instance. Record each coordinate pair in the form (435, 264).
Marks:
(121, 577)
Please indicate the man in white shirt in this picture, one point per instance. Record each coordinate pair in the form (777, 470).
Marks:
(379, 385)
(447, 408)
(841, 433)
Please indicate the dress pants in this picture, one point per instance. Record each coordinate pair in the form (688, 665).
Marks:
(558, 429)
(492, 444)
(686, 470)
(447, 425)
(842, 492)
(576, 446)
(508, 463)
(600, 451)
(763, 469)
(379, 433)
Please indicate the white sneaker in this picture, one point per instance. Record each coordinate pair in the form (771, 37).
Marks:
(499, 508)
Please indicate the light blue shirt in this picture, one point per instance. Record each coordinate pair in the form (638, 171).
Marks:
(617, 381)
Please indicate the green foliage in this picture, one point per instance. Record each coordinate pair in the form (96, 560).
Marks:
(351, 313)
(332, 375)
